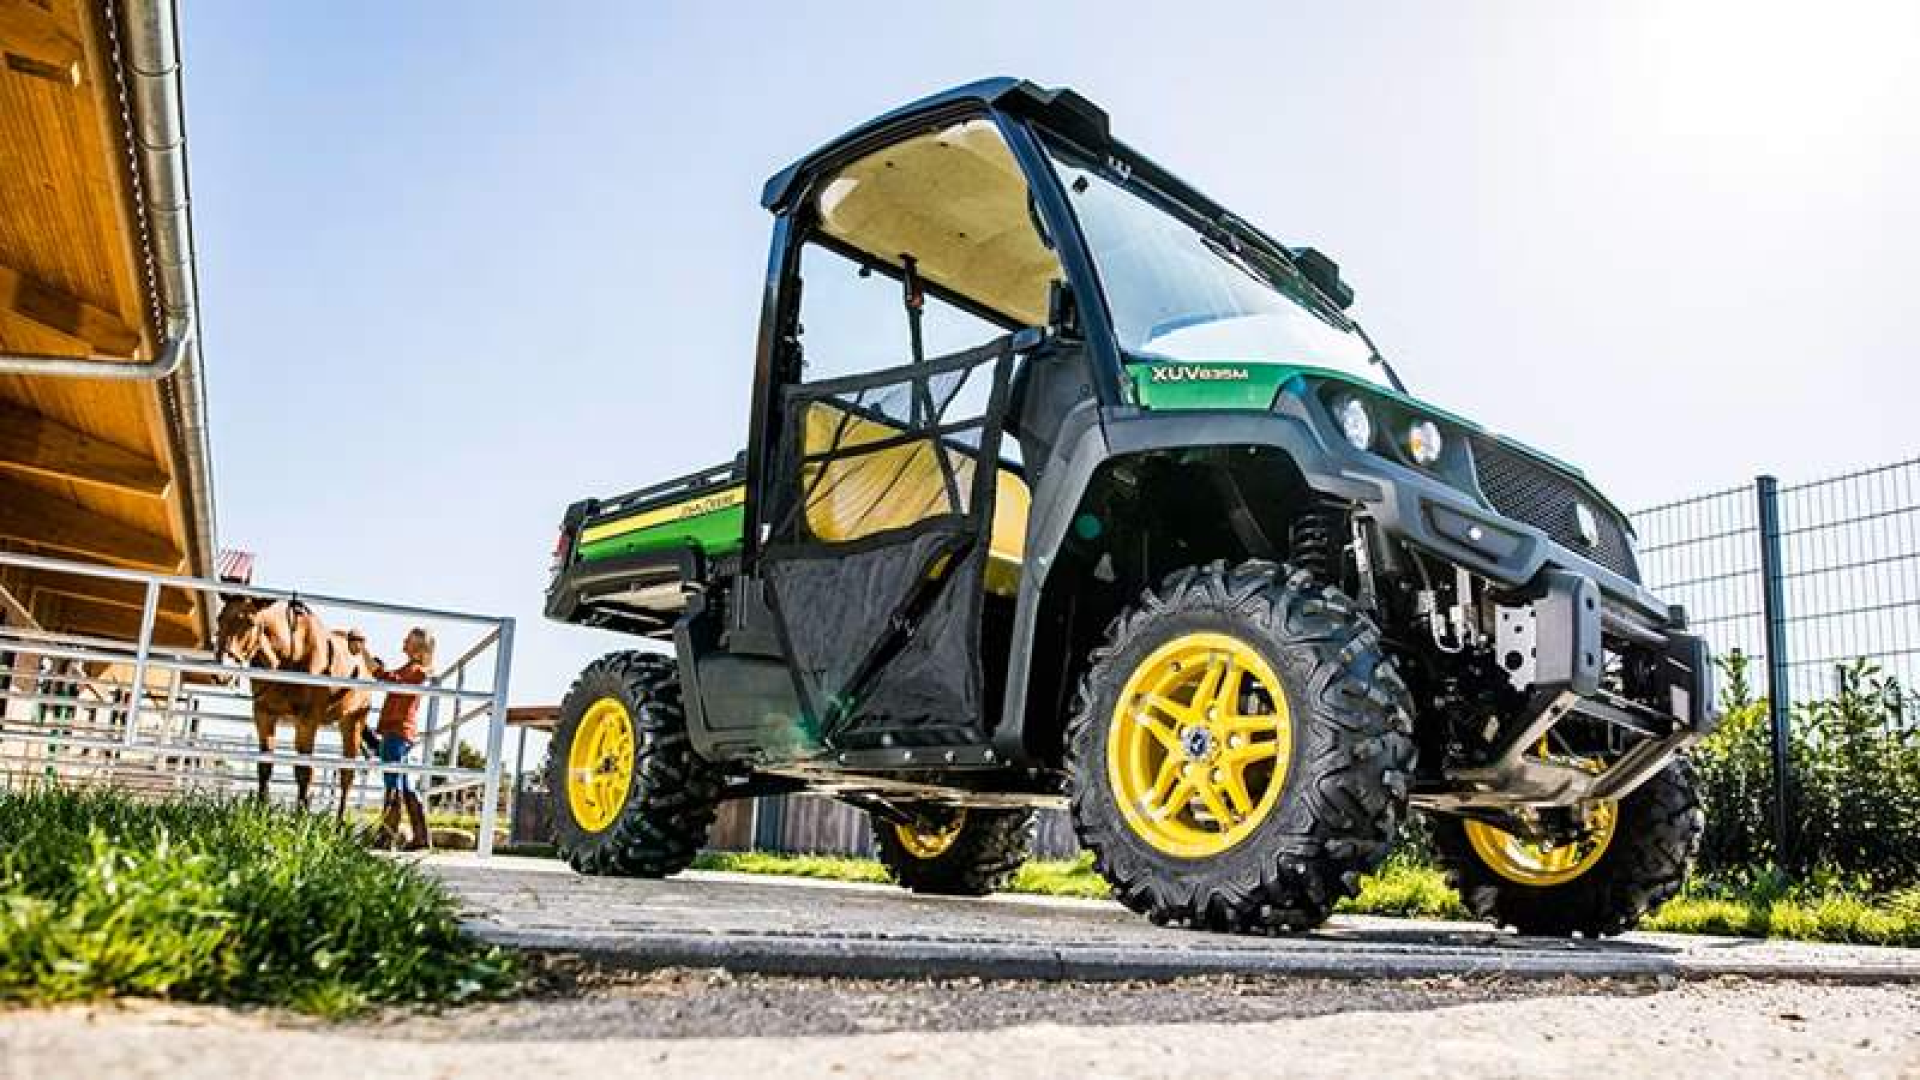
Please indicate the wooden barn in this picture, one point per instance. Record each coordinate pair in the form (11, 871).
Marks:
(104, 454)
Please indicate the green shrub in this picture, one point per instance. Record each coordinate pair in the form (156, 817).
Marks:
(1854, 782)
(208, 900)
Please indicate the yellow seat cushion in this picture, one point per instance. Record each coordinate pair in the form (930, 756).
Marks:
(853, 497)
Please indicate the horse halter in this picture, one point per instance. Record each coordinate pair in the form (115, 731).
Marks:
(296, 609)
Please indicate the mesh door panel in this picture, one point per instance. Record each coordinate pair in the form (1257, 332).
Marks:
(881, 517)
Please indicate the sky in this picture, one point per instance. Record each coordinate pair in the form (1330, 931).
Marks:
(463, 264)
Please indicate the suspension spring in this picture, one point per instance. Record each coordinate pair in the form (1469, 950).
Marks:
(1317, 539)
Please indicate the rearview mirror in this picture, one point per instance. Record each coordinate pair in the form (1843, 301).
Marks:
(1324, 273)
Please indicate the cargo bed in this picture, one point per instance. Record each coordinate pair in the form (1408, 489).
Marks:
(622, 563)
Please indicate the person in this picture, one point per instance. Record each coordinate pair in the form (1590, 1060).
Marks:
(397, 732)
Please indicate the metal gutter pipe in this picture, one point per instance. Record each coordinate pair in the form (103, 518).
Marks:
(173, 356)
(149, 51)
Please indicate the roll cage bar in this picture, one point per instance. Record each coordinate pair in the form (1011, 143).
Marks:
(1011, 105)
(1019, 109)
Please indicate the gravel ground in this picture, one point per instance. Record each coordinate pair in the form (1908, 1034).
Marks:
(583, 1020)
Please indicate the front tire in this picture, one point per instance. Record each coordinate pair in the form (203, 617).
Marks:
(953, 852)
(1636, 859)
(1240, 751)
(631, 797)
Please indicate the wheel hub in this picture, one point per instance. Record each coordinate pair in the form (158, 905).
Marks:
(930, 839)
(1196, 757)
(600, 764)
(1198, 743)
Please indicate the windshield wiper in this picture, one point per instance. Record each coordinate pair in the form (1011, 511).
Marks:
(1234, 257)
(1229, 235)
(1224, 239)
(1376, 357)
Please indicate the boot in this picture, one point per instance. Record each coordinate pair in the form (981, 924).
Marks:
(417, 823)
(390, 822)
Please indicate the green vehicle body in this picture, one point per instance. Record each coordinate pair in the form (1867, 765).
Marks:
(717, 526)
(713, 525)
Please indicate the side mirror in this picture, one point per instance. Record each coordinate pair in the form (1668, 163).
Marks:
(1324, 273)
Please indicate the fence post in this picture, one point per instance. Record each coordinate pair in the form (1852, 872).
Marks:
(513, 785)
(149, 612)
(1779, 694)
(427, 739)
(496, 738)
(769, 822)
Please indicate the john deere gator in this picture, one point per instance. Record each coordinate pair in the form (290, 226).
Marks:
(1065, 486)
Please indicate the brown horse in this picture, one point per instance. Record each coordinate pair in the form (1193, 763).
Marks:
(284, 635)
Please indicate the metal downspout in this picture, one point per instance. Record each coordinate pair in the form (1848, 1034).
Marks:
(150, 31)
(173, 356)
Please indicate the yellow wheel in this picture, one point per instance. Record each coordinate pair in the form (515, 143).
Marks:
(1241, 750)
(951, 851)
(928, 841)
(600, 765)
(1525, 862)
(1634, 855)
(1198, 745)
(631, 796)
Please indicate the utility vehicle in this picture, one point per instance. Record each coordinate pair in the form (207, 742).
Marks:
(1063, 485)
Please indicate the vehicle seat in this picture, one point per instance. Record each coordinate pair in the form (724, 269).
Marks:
(1047, 387)
(896, 487)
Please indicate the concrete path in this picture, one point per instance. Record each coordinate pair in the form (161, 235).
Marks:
(792, 926)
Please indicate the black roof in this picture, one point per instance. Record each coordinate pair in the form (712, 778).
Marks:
(1061, 108)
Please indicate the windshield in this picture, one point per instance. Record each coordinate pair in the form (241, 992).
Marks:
(1176, 293)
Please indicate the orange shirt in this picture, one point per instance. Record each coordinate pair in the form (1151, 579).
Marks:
(397, 711)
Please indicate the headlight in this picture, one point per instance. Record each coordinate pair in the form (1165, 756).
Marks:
(1424, 442)
(1355, 422)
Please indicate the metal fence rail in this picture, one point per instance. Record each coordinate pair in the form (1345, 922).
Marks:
(139, 714)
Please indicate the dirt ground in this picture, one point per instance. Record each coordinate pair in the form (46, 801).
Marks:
(587, 1021)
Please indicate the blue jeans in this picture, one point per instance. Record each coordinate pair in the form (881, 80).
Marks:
(395, 748)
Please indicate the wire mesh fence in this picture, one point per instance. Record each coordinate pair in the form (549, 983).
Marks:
(1817, 585)
(1805, 579)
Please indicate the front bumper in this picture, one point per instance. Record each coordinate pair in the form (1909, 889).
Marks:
(1578, 612)
(1570, 640)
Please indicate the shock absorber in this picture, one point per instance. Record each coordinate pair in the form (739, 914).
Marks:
(1316, 539)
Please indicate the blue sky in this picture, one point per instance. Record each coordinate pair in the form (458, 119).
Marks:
(463, 264)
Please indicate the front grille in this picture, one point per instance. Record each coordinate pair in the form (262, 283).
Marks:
(1533, 492)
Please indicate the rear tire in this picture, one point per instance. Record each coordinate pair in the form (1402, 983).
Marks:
(1305, 814)
(631, 798)
(1655, 837)
(954, 852)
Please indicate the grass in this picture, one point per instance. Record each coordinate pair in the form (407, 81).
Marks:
(205, 900)
(1820, 911)
(822, 867)
(1407, 891)
(465, 820)
(1407, 888)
